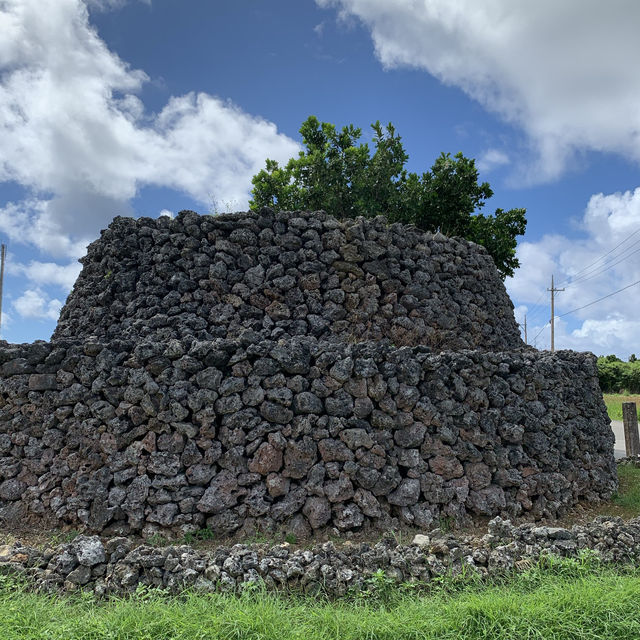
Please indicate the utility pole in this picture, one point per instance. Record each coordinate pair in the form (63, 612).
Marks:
(553, 290)
(524, 326)
(3, 251)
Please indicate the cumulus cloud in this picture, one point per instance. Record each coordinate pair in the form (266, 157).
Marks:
(605, 259)
(491, 159)
(565, 72)
(75, 133)
(7, 321)
(34, 303)
(107, 5)
(31, 223)
(47, 273)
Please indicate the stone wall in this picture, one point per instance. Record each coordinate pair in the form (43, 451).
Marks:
(247, 372)
(284, 274)
(297, 434)
(118, 566)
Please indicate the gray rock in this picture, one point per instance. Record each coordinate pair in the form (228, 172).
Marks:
(334, 450)
(80, 576)
(90, 550)
(12, 489)
(347, 516)
(317, 511)
(307, 402)
(275, 413)
(291, 503)
(222, 494)
(356, 438)
(42, 381)
(406, 494)
(339, 490)
(486, 501)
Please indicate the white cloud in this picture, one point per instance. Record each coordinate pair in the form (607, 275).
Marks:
(74, 130)
(491, 159)
(47, 273)
(565, 72)
(166, 212)
(107, 5)
(605, 260)
(30, 223)
(615, 334)
(7, 321)
(34, 303)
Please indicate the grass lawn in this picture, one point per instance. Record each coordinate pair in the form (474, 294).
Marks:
(628, 496)
(569, 599)
(614, 404)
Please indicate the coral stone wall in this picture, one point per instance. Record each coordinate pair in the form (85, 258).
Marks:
(290, 274)
(119, 566)
(246, 372)
(249, 434)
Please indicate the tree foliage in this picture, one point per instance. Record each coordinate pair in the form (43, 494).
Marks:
(617, 376)
(346, 179)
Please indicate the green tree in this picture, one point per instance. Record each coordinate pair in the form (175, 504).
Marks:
(617, 376)
(344, 178)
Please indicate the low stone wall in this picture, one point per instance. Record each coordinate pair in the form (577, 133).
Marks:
(299, 435)
(284, 274)
(118, 566)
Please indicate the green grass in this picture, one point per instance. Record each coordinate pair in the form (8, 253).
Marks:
(628, 496)
(563, 600)
(614, 403)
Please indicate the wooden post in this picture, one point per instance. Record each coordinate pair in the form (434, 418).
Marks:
(630, 422)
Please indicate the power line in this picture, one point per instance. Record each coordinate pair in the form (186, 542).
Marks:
(541, 330)
(621, 258)
(592, 271)
(601, 257)
(536, 308)
(609, 295)
(599, 299)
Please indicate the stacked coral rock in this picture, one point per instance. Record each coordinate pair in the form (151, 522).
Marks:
(291, 371)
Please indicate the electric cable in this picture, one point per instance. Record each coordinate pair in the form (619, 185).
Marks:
(621, 258)
(598, 300)
(600, 258)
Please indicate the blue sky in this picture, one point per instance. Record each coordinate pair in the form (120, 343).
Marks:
(114, 107)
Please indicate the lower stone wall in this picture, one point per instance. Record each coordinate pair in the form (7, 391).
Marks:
(298, 435)
(118, 566)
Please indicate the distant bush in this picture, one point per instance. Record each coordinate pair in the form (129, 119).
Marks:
(617, 376)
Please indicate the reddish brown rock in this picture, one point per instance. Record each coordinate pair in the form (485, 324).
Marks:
(299, 457)
(447, 467)
(479, 475)
(266, 459)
